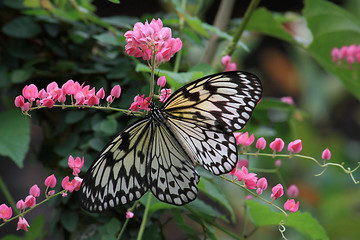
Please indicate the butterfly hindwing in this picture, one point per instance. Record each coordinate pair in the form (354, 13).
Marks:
(119, 175)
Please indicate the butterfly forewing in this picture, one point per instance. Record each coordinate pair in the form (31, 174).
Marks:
(119, 175)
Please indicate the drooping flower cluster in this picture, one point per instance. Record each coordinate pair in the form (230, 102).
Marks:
(149, 38)
(227, 64)
(34, 192)
(350, 54)
(83, 95)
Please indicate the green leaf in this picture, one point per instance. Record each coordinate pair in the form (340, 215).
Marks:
(11, 237)
(21, 27)
(261, 215)
(115, 1)
(69, 219)
(16, 4)
(263, 21)
(108, 126)
(15, 135)
(21, 75)
(113, 226)
(64, 148)
(331, 27)
(108, 39)
(74, 116)
(36, 230)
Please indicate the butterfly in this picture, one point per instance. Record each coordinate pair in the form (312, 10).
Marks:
(159, 152)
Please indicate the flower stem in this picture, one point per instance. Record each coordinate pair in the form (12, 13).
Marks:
(144, 220)
(126, 222)
(7, 194)
(232, 46)
(152, 77)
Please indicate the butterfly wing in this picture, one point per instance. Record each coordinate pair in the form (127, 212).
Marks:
(204, 114)
(119, 175)
(172, 178)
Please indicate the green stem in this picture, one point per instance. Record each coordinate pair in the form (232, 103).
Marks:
(152, 77)
(243, 230)
(126, 221)
(30, 209)
(144, 220)
(7, 195)
(232, 46)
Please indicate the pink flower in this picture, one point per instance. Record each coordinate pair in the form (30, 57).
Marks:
(22, 224)
(20, 204)
(165, 94)
(47, 102)
(261, 143)
(50, 181)
(30, 201)
(244, 139)
(346, 53)
(79, 98)
(129, 214)
(262, 185)
(277, 145)
(292, 191)
(242, 163)
(5, 212)
(67, 185)
(116, 91)
(248, 197)
(291, 206)
(101, 93)
(35, 191)
(277, 163)
(277, 191)
(248, 178)
(54, 91)
(145, 104)
(134, 106)
(43, 94)
(289, 100)
(19, 101)
(93, 100)
(326, 154)
(52, 192)
(110, 99)
(30, 92)
(161, 81)
(149, 37)
(76, 164)
(71, 87)
(26, 107)
(228, 65)
(295, 146)
(77, 183)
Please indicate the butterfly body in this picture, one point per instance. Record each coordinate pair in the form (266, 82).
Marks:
(195, 124)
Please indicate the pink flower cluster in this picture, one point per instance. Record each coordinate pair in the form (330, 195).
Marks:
(148, 39)
(346, 53)
(34, 192)
(83, 95)
(227, 64)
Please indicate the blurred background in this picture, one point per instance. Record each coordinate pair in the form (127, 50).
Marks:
(49, 48)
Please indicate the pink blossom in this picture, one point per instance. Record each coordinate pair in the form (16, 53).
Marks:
(228, 65)
(101, 93)
(71, 87)
(79, 98)
(261, 143)
(278, 163)
(346, 53)
(30, 201)
(19, 101)
(25, 107)
(245, 140)
(277, 191)
(50, 181)
(51, 192)
(20, 204)
(134, 106)
(129, 214)
(116, 91)
(22, 224)
(242, 163)
(326, 154)
(93, 100)
(161, 81)
(5, 212)
(292, 191)
(53, 90)
(289, 100)
(35, 191)
(248, 197)
(277, 145)
(30, 92)
(43, 94)
(110, 99)
(146, 38)
(234, 171)
(165, 94)
(248, 178)
(77, 183)
(225, 60)
(145, 104)
(262, 185)
(295, 146)
(67, 185)
(291, 206)
(47, 102)
(76, 164)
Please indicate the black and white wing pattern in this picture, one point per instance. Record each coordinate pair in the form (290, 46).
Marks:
(196, 124)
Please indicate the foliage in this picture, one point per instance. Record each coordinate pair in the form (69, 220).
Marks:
(58, 40)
